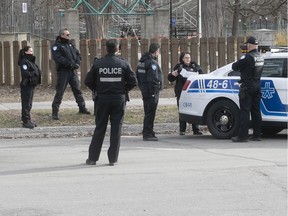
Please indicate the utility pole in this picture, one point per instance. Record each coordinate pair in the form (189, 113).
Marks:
(171, 26)
(199, 19)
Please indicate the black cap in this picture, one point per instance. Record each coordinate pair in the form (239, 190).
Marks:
(252, 40)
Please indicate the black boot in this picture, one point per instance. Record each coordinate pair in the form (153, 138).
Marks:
(28, 125)
(55, 115)
(83, 110)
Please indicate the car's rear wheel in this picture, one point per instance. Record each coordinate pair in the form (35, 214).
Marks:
(223, 119)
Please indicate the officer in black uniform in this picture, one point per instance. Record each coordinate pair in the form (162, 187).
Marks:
(250, 66)
(110, 78)
(31, 77)
(67, 59)
(150, 82)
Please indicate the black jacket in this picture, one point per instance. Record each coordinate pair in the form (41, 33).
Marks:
(66, 56)
(149, 75)
(247, 67)
(30, 72)
(180, 80)
(111, 75)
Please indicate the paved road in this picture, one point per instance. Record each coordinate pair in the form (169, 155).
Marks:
(179, 175)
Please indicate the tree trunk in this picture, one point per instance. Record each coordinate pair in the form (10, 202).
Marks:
(96, 26)
(236, 18)
(212, 18)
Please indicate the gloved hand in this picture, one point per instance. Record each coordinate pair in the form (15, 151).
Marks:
(74, 66)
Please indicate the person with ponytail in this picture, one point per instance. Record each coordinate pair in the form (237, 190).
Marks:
(31, 77)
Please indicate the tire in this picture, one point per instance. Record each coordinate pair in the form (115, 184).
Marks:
(223, 119)
(267, 131)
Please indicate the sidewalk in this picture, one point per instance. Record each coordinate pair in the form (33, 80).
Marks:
(89, 104)
(79, 131)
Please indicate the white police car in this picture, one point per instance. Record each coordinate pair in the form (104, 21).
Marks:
(212, 99)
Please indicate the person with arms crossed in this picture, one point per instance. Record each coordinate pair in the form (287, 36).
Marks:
(109, 78)
(31, 77)
(189, 68)
(150, 82)
(67, 59)
(250, 66)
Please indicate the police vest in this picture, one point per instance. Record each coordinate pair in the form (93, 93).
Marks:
(259, 62)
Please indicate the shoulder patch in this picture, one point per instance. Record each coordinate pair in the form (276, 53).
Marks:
(24, 66)
(55, 48)
(242, 57)
(154, 66)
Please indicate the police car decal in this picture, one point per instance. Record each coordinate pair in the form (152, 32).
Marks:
(214, 86)
(271, 103)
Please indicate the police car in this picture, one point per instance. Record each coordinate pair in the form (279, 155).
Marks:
(212, 99)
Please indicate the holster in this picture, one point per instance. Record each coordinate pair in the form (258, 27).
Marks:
(243, 92)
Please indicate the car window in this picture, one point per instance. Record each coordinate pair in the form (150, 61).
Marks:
(275, 67)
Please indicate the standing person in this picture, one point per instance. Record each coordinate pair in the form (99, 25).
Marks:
(110, 78)
(31, 77)
(67, 59)
(250, 66)
(190, 67)
(150, 81)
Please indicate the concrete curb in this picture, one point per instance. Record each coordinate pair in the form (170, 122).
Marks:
(79, 131)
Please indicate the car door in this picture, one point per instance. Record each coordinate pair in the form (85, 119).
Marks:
(274, 84)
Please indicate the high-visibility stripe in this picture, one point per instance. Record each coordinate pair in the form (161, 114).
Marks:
(110, 79)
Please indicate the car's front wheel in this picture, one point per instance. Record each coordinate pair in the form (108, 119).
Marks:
(223, 119)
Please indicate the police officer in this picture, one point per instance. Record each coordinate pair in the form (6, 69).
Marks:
(150, 82)
(67, 59)
(191, 67)
(110, 78)
(250, 67)
(31, 77)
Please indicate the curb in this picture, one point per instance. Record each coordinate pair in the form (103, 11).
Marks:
(79, 131)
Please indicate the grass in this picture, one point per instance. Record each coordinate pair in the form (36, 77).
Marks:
(71, 117)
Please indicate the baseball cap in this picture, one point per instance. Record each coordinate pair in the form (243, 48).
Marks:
(252, 40)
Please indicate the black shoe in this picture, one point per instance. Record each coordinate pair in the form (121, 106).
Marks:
(55, 115)
(84, 111)
(90, 162)
(28, 125)
(237, 139)
(197, 133)
(112, 163)
(150, 138)
(35, 125)
(252, 138)
(181, 133)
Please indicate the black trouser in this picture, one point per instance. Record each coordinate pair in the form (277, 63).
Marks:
(63, 78)
(27, 93)
(112, 107)
(150, 107)
(250, 102)
(183, 124)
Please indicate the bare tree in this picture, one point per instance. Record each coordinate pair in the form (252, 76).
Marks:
(212, 18)
(263, 11)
